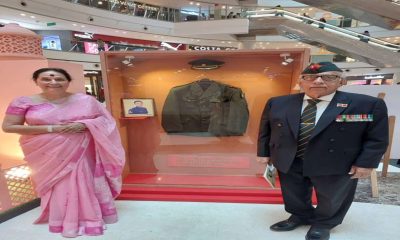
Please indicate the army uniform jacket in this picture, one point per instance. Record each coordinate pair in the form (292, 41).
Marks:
(207, 107)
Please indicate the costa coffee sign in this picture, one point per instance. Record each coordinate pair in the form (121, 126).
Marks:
(209, 48)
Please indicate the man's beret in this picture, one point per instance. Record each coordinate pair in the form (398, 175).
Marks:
(205, 64)
(321, 67)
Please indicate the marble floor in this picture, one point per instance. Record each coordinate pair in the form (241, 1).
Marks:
(147, 220)
(368, 219)
(388, 187)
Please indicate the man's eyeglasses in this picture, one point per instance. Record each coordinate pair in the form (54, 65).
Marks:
(325, 78)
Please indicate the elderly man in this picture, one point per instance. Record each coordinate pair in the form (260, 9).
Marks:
(323, 139)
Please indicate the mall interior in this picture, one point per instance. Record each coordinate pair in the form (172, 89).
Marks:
(203, 185)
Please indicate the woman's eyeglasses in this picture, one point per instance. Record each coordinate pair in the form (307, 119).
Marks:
(325, 78)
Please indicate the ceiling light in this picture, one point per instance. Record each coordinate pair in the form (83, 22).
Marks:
(198, 4)
(23, 14)
(286, 59)
(74, 24)
(289, 60)
(33, 17)
(82, 26)
(191, 3)
(128, 60)
(100, 2)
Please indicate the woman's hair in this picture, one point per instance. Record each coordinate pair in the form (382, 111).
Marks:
(36, 74)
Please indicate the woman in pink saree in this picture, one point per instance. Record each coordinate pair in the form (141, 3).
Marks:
(72, 145)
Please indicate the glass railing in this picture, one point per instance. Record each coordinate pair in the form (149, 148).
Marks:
(397, 2)
(133, 8)
(326, 26)
(206, 11)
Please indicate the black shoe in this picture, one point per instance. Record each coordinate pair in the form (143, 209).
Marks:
(318, 234)
(285, 225)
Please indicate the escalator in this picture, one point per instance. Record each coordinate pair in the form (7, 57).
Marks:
(341, 41)
(382, 13)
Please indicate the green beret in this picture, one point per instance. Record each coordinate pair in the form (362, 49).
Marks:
(321, 67)
(205, 64)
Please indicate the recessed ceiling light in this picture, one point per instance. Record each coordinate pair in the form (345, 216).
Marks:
(124, 32)
(223, 7)
(100, 2)
(74, 24)
(116, 31)
(33, 17)
(83, 26)
(191, 3)
(23, 14)
(198, 4)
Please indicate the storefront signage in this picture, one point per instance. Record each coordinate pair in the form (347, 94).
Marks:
(374, 77)
(370, 76)
(169, 46)
(209, 48)
(84, 35)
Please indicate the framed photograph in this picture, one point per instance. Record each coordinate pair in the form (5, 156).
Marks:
(138, 107)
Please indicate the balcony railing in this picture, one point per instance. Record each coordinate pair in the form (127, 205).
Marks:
(326, 26)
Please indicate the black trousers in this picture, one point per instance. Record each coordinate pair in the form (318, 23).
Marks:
(335, 193)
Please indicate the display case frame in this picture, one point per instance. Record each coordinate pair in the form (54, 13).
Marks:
(154, 72)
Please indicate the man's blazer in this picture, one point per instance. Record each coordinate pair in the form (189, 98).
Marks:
(335, 144)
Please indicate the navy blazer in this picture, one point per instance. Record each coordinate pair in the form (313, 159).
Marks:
(334, 146)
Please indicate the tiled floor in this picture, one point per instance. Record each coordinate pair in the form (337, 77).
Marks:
(215, 221)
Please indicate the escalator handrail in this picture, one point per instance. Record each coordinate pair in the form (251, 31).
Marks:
(376, 41)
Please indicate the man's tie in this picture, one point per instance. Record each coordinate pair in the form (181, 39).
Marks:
(307, 124)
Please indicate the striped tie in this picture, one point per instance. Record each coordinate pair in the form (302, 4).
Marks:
(307, 123)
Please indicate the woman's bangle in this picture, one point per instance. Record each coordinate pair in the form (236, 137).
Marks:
(49, 128)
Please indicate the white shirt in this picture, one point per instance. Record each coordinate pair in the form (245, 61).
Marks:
(321, 106)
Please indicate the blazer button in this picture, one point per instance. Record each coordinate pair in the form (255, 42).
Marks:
(331, 140)
(331, 150)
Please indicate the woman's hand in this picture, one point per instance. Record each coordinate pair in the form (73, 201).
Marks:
(70, 128)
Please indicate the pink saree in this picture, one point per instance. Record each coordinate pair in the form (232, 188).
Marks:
(77, 176)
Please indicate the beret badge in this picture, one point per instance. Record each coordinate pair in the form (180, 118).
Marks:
(315, 67)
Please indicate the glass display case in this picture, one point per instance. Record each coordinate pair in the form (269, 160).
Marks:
(205, 111)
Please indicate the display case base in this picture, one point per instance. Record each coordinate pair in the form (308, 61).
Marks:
(195, 188)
